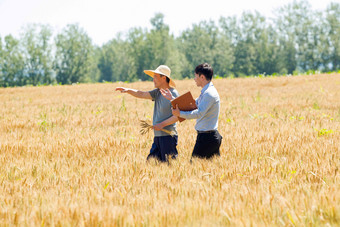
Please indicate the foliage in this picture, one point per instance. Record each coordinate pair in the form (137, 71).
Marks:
(298, 39)
(11, 63)
(73, 55)
(37, 54)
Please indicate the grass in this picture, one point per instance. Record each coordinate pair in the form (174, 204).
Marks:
(73, 155)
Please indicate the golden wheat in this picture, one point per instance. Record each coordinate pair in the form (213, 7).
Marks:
(73, 156)
(147, 126)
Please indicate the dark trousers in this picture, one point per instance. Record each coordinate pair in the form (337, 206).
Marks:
(207, 144)
(163, 147)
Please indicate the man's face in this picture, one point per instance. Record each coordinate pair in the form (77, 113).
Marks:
(157, 80)
(198, 80)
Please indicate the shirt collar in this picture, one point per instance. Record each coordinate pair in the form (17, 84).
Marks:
(206, 87)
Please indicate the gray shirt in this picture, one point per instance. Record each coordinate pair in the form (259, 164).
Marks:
(208, 109)
(162, 110)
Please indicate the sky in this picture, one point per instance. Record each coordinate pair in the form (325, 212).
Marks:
(104, 19)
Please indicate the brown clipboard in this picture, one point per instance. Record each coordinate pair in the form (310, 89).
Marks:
(185, 102)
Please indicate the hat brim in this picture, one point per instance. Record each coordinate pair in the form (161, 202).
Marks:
(152, 74)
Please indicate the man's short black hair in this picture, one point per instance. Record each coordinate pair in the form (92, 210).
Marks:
(206, 70)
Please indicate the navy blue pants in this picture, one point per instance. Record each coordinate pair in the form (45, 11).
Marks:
(207, 144)
(164, 147)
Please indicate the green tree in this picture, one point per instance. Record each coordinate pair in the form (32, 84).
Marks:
(332, 23)
(198, 44)
(136, 39)
(317, 43)
(11, 64)
(230, 34)
(230, 29)
(105, 63)
(147, 50)
(94, 74)
(158, 45)
(274, 62)
(115, 62)
(223, 57)
(245, 50)
(177, 61)
(37, 54)
(1, 61)
(74, 52)
(300, 35)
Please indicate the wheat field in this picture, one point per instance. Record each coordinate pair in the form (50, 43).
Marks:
(73, 156)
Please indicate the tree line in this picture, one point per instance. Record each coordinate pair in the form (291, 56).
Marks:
(297, 39)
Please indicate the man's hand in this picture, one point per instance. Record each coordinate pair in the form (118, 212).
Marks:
(166, 93)
(134, 92)
(122, 89)
(158, 127)
(175, 111)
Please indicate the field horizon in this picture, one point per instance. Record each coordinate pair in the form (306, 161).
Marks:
(72, 155)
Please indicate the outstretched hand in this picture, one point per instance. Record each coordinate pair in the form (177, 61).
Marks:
(176, 111)
(166, 93)
(122, 89)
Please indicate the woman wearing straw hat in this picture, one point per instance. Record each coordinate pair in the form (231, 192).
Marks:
(164, 144)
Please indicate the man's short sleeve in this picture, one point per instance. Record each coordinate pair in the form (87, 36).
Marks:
(153, 94)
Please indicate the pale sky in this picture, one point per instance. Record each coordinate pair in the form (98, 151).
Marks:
(103, 19)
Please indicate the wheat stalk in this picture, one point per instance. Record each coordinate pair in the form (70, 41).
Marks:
(146, 126)
(73, 165)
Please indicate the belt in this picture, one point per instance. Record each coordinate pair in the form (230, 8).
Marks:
(210, 131)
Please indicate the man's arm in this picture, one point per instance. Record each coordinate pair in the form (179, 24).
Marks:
(167, 122)
(202, 109)
(135, 93)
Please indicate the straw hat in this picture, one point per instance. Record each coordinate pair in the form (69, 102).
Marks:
(163, 70)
